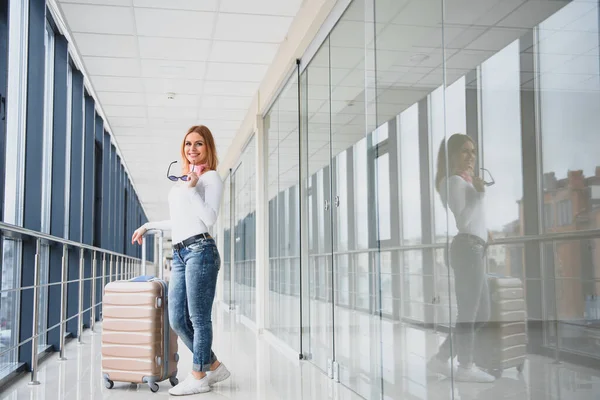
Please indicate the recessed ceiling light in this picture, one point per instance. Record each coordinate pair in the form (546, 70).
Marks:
(420, 57)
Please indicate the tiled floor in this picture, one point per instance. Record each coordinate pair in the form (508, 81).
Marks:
(263, 369)
(259, 371)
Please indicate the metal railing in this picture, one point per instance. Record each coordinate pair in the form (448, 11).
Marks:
(160, 257)
(550, 237)
(509, 240)
(120, 267)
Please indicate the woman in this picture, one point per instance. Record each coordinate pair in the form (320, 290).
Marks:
(194, 204)
(464, 193)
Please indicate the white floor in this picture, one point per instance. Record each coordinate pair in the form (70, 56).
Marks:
(259, 370)
(263, 369)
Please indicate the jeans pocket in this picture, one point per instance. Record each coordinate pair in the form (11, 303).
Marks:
(217, 258)
(196, 247)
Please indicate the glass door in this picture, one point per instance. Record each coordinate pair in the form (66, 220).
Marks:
(318, 265)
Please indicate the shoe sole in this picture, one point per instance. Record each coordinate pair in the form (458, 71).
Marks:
(189, 394)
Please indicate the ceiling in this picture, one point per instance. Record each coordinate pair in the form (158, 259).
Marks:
(211, 54)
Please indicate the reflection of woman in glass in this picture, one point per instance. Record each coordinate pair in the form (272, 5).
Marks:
(463, 193)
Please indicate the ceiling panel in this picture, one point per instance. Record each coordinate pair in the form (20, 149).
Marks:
(236, 72)
(174, 23)
(99, 19)
(173, 69)
(194, 5)
(90, 44)
(110, 66)
(532, 12)
(180, 100)
(247, 53)
(225, 102)
(128, 122)
(263, 7)
(125, 111)
(117, 84)
(121, 99)
(123, 3)
(252, 28)
(225, 127)
(229, 88)
(173, 48)
(496, 39)
(173, 112)
(220, 115)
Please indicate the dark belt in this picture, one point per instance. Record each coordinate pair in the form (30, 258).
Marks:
(472, 239)
(190, 240)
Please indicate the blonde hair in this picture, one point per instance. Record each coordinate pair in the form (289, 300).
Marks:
(211, 151)
(446, 156)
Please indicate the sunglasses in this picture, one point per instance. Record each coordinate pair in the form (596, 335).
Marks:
(173, 177)
(487, 182)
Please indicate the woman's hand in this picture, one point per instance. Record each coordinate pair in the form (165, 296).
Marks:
(138, 235)
(478, 184)
(192, 179)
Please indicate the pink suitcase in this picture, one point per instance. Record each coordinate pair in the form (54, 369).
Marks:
(502, 343)
(138, 345)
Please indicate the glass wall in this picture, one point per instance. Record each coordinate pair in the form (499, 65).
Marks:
(283, 306)
(569, 84)
(244, 258)
(414, 235)
(225, 220)
(41, 186)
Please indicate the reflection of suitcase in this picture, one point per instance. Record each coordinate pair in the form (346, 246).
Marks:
(138, 345)
(502, 343)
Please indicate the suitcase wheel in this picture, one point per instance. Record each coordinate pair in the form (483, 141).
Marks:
(174, 381)
(153, 387)
(108, 384)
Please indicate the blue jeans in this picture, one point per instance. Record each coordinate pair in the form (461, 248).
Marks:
(467, 256)
(191, 293)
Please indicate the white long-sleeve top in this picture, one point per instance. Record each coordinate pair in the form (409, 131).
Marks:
(192, 210)
(467, 205)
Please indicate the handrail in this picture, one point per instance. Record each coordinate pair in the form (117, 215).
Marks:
(20, 231)
(121, 266)
(160, 235)
(512, 240)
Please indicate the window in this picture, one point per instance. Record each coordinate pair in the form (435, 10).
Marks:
(410, 179)
(46, 180)
(565, 212)
(548, 216)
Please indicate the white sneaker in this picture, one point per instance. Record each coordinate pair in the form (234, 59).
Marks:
(473, 374)
(438, 366)
(218, 375)
(191, 385)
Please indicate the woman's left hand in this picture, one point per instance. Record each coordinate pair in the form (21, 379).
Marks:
(192, 179)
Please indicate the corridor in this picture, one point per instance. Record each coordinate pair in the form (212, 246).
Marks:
(359, 177)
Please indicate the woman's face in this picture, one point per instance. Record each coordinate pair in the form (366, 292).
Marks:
(464, 161)
(195, 148)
